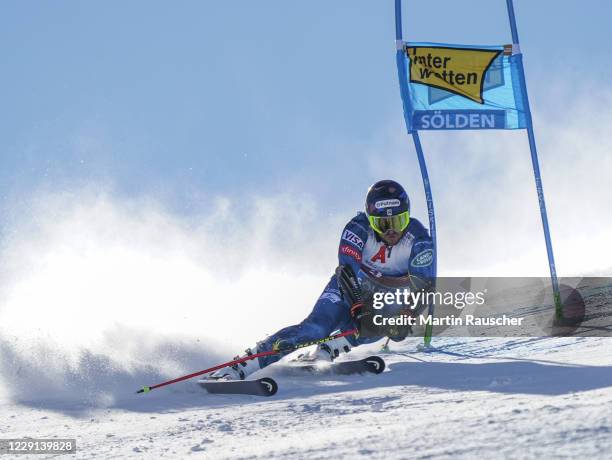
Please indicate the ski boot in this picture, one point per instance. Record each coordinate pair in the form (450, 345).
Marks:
(327, 351)
(238, 371)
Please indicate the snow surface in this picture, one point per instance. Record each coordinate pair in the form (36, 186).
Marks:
(487, 398)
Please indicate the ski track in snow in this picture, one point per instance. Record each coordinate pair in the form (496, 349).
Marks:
(487, 398)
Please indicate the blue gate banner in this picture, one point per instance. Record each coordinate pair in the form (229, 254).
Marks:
(464, 87)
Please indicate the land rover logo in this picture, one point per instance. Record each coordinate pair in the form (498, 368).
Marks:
(387, 203)
(422, 259)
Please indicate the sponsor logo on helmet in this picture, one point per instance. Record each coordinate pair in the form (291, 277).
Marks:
(382, 204)
(352, 238)
(422, 259)
(350, 251)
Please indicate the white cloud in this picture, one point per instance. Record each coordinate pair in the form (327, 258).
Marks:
(89, 280)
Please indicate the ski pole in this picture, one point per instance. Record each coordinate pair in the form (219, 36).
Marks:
(146, 389)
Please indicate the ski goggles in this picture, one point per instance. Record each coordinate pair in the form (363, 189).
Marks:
(397, 223)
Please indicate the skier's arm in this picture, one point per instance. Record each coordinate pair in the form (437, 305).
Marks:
(352, 241)
(351, 292)
(422, 260)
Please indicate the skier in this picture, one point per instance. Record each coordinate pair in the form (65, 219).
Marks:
(384, 243)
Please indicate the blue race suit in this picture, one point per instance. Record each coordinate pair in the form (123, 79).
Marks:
(362, 249)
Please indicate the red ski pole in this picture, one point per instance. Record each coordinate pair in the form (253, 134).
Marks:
(247, 358)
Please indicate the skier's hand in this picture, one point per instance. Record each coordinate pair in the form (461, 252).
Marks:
(351, 291)
(399, 333)
(358, 312)
(349, 285)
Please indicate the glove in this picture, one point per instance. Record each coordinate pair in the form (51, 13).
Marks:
(399, 333)
(351, 291)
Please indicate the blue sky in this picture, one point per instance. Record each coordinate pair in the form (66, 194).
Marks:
(187, 100)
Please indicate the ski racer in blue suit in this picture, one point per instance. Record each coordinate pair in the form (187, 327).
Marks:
(383, 243)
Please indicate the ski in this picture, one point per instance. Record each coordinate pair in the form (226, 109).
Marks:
(371, 364)
(260, 387)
